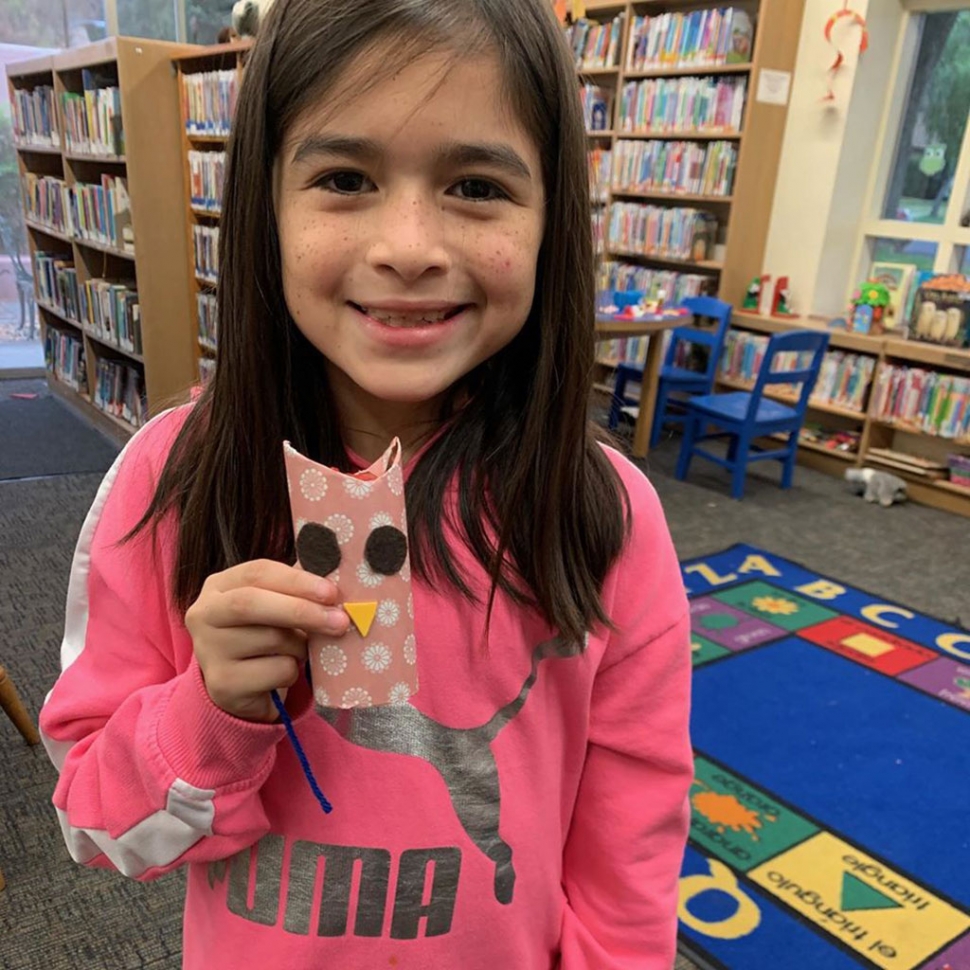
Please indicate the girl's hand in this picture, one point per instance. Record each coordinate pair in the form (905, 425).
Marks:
(249, 628)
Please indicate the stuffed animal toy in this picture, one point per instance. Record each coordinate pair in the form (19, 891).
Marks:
(247, 15)
(876, 486)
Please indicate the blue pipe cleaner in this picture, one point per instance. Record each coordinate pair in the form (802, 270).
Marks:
(300, 753)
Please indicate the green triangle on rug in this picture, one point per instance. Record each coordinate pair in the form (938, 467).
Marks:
(857, 895)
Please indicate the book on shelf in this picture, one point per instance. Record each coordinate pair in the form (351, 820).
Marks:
(673, 167)
(600, 167)
(595, 45)
(102, 213)
(119, 390)
(844, 379)
(35, 117)
(207, 319)
(55, 279)
(110, 308)
(207, 172)
(64, 358)
(665, 232)
(47, 201)
(209, 102)
(683, 104)
(596, 102)
(699, 38)
(92, 119)
(925, 401)
(205, 242)
(668, 287)
(207, 367)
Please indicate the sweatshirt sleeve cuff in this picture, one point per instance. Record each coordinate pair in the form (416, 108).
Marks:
(210, 748)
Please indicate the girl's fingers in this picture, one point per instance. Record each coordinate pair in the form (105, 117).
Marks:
(244, 643)
(278, 577)
(255, 606)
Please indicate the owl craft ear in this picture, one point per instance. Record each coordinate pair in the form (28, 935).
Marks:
(317, 549)
(386, 550)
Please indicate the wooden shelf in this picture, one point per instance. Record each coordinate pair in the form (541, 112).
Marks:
(704, 264)
(36, 149)
(672, 196)
(118, 430)
(688, 71)
(686, 135)
(110, 346)
(600, 134)
(60, 314)
(48, 230)
(89, 157)
(813, 405)
(598, 71)
(149, 104)
(949, 358)
(104, 248)
(206, 213)
(207, 139)
(860, 343)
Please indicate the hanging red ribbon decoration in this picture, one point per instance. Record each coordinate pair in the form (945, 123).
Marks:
(856, 20)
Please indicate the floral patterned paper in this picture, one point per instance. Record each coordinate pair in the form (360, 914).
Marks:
(379, 666)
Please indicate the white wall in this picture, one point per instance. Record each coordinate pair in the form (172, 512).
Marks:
(827, 153)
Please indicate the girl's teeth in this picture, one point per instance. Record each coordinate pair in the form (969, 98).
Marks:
(399, 320)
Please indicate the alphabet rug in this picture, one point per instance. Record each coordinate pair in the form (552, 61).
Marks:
(831, 730)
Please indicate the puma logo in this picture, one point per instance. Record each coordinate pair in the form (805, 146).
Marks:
(462, 756)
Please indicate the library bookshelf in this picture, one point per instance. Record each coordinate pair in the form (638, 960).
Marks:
(203, 146)
(145, 246)
(742, 213)
(883, 443)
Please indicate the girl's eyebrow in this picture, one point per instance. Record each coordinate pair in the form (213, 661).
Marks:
(458, 154)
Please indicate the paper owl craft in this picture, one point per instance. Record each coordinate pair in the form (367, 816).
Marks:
(352, 529)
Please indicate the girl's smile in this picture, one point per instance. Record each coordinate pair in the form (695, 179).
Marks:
(410, 219)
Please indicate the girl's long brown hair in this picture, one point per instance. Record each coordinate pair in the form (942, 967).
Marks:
(540, 505)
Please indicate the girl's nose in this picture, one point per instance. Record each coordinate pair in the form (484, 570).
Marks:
(409, 239)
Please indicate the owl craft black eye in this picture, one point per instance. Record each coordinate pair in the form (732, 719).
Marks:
(318, 549)
(386, 550)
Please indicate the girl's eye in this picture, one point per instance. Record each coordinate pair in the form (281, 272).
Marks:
(343, 183)
(479, 190)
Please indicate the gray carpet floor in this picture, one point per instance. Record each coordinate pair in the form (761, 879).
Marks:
(58, 916)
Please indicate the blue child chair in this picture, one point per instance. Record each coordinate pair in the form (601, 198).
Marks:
(743, 416)
(676, 379)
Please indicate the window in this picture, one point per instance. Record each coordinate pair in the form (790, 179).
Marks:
(919, 204)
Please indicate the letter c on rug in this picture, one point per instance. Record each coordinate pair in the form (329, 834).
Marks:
(874, 613)
(743, 921)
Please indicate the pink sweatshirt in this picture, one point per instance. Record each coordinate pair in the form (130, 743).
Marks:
(526, 809)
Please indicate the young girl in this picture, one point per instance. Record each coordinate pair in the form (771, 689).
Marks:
(406, 253)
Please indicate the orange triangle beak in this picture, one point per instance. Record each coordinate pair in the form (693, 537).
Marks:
(362, 615)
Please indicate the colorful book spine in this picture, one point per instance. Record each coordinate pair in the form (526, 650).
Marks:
(683, 105)
(207, 173)
(595, 45)
(675, 167)
(926, 401)
(699, 38)
(681, 233)
(64, 358)
(56, 280)
(596, 107)
(207, 317)
(34, 117)
(120, 391)
(47, 200)
(209, 102)
(205, 241)
(600, 168)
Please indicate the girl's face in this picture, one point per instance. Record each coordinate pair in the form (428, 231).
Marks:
(410, 218)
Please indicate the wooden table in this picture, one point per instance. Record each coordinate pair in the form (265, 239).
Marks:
(610, 328)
